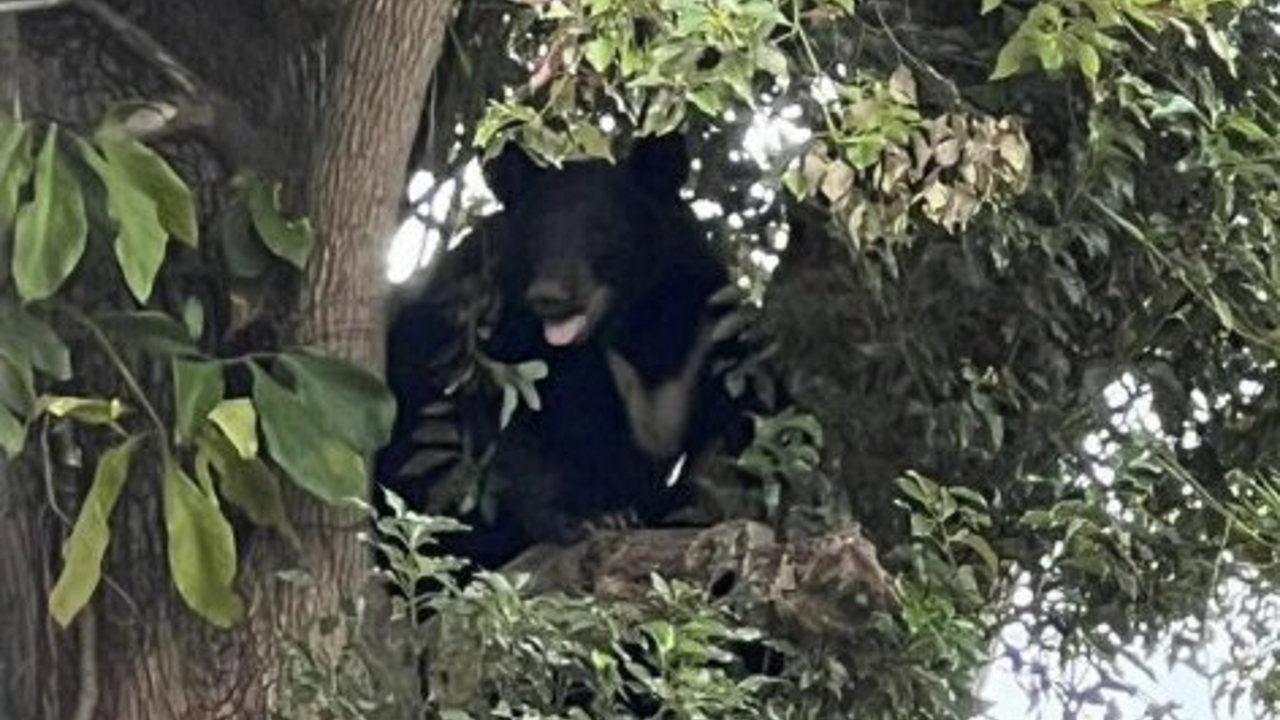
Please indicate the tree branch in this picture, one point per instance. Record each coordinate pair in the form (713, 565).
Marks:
(800, 587)
(199, 106)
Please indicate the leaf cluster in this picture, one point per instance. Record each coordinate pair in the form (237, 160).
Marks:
(224, 430)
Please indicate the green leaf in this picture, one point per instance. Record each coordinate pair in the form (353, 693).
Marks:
(291, 240)
(982, 548)
(989, 5)
(1049, 49)
(13, 433)
(149, 330)
(17, 387)
(197, 389)
(87, 544)
(599, 52)
(318, 462)
(238, 422)
(202, 549)
(1173, 105)
(29, 340)
(49, 237)
(1221, 46)
(152, 176)
(15, 168)
(141, 239)
(352, 403)
(707, 101)
(1011, 59)
(1090, 61)
(246, 483)
(91, 411)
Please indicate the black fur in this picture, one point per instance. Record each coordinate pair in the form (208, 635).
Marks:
(614, 250)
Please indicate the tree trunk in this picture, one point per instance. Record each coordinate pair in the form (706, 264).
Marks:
(137, 652)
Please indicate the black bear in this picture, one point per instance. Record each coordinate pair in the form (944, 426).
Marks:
(600, 271)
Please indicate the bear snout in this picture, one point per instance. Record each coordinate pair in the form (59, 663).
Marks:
(552, 299)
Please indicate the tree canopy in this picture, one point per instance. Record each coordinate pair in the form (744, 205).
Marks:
(1015, 261)
(1030, 279)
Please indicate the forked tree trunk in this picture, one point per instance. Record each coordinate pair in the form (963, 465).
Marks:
(138, 653)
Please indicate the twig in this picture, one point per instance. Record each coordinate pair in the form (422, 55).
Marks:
(130, 33)
(200, 106)
(126, 375)
(17, 6)
(957, 98)
(144, 44)
(46, 463)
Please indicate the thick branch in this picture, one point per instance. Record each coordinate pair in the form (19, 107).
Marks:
(803, 586)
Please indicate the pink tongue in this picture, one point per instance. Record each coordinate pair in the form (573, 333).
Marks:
(564, 332)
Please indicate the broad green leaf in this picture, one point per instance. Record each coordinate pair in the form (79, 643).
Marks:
(318, 462)
(51, 230)
(1090, 62)
(197, 389)
(1050, 51)
(919, 488)
(91, 411)
(140, 244)
(13, 433)
(352, 403)
(149, 330)
(87, 544)
(1221, 46)
(15, 168)
(29, 340)
(246, 483)
(989, 5)
(707, 101)
(153, 177)
(238, 421)
(17, 387)
(202, 549)
(1173, 105)
(599, 52)
(969, 495)
(1010, 60)
(288, 239)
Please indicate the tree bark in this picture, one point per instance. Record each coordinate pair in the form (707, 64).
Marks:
(139, 653)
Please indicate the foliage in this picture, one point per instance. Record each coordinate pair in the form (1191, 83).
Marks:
(494, 652)
(1042, 271)
(199, 435)
(1034, 258)
(871, 159)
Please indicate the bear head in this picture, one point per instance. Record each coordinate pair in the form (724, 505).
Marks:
(587, 237)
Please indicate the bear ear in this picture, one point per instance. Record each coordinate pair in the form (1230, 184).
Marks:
(660, 164)
(511, 173)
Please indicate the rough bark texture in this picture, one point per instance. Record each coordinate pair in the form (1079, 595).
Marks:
(147, 656)
(734, 558)
(811, 592)
(390, 48)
